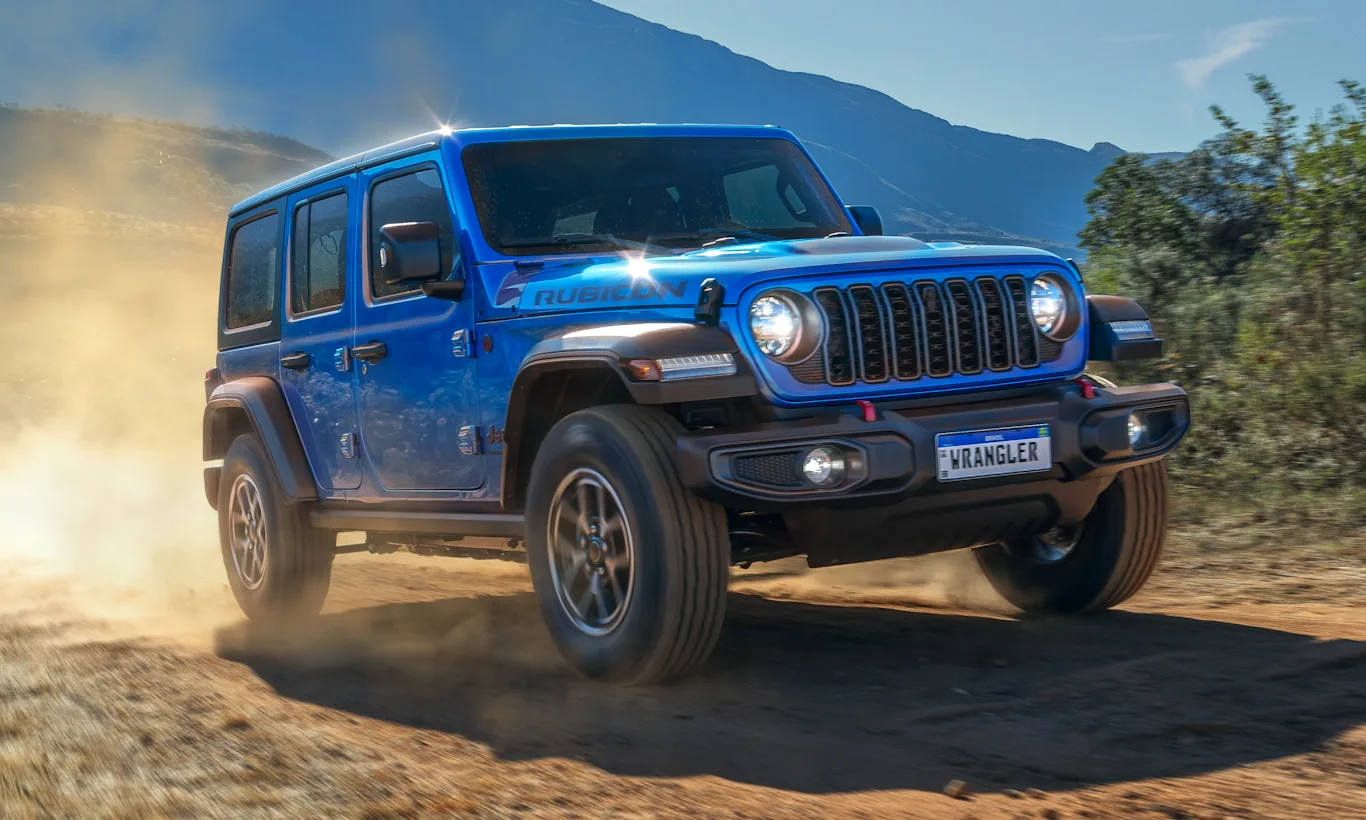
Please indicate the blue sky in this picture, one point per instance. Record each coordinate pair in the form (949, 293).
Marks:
(1139, 74)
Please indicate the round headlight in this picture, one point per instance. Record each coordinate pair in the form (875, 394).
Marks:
(776, 324)
(1048, 304)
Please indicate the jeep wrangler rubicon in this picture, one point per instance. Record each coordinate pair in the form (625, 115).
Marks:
(634, 356)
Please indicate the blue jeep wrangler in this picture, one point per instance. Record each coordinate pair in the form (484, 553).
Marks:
(635, 356)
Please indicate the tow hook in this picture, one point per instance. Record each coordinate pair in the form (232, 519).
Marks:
(1088, 387)
(868, 410)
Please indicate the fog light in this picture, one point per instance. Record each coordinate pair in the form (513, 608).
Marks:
(823, 466)
(1136, 430)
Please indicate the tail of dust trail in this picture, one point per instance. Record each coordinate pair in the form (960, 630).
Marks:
(107, 330)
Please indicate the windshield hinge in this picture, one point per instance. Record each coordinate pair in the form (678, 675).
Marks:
(709, 298)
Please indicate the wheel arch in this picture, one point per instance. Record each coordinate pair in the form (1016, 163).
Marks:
(587, 368)
(256, 405)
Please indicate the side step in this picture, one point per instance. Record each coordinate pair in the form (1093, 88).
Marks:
(466, 525)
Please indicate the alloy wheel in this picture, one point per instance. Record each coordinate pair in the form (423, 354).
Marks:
(592, 554)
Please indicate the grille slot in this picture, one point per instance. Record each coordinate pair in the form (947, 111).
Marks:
(938, 357)
(839, 348)
(905, 325)
(906, 331)
(996, 331)
(966, 337)
(1026, 342)
(872, 335)
(811, 371)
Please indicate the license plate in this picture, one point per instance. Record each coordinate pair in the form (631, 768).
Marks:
(981, 453)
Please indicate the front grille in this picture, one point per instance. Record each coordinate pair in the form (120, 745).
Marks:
(906, 331)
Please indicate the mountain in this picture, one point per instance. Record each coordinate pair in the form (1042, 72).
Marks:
(350, 73)
(156, 170)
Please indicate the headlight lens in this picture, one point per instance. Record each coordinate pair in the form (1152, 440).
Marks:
(823, 466)
(775, 323)
(1048, 304)
(1136, 429)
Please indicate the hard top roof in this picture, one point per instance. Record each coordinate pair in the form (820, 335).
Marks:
(467, 136)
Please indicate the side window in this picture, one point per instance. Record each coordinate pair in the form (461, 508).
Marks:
(415, 197)
(317, 278)
(253, 265)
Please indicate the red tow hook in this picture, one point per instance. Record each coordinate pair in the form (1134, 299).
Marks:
(1088, 387)
(869, 411)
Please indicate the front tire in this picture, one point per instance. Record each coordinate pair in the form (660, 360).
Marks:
(1094, 566)
(630, 568)
(279, 566)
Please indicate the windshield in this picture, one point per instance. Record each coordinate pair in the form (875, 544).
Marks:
(659, 194)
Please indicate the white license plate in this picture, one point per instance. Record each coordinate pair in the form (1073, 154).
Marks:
(981, 453)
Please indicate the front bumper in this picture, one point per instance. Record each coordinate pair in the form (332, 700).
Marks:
(893, 491)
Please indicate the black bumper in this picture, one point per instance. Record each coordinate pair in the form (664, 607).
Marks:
(893, 502)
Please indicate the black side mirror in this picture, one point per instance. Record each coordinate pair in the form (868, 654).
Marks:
(409, 252)
(867, 218)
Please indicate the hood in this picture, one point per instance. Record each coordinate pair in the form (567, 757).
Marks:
(578, 283)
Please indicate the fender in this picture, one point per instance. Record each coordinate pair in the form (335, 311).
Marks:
(607, 349)
(260, 400)
(1125, 342)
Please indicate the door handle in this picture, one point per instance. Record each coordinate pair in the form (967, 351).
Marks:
(296, 361)
(370, 352)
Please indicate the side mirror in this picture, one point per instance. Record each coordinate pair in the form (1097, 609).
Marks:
(409, 252)
(867, 218)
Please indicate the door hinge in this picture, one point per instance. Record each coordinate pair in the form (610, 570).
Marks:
(460, 344)
(469, 440)
(348, 445)
(341, 359)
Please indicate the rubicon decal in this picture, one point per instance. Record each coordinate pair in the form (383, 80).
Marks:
(642, 290)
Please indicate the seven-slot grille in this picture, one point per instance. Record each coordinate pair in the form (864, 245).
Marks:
(904, 331)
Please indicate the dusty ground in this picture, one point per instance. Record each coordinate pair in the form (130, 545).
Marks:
(1232, 687)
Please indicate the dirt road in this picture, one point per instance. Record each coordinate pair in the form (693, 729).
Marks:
(429, 688)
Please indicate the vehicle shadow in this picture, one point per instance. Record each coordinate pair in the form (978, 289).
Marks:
(821, 699)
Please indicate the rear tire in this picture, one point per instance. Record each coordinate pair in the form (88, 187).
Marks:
(630, 567)
(1108, 560)
(279, 566)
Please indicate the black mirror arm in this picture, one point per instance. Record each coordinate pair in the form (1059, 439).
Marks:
(452, 290)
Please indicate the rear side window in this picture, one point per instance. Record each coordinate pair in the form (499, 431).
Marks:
(253, 266)
(317, 278)
(415, 197)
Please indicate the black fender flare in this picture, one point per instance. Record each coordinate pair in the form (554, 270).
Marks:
(1109, 346)
(610, 348)
(263, 403)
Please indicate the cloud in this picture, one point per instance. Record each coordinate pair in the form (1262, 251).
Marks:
(1228, 44)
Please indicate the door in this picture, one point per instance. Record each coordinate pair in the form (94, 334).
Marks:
(415, 373)
(314, 365)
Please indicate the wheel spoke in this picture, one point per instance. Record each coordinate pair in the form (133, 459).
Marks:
(601, 604)
(581, 490)
(584, 601)
(600, 502)
(618, 595)
(578, 562)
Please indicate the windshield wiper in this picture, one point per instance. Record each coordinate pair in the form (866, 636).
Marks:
(587, 239)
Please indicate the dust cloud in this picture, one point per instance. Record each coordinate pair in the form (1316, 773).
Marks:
(106, 333)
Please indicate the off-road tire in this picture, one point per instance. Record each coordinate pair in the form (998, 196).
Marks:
(1118, 549)
(682, 547)
(298, 562)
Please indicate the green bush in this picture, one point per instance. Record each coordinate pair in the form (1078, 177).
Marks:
(1250, 254)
